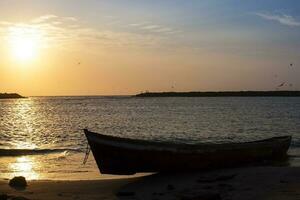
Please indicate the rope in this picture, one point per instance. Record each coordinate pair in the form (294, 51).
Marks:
(87, 153)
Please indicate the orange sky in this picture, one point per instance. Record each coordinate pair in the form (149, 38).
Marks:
(55, 52)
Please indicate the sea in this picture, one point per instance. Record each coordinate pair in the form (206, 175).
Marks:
(48, 131)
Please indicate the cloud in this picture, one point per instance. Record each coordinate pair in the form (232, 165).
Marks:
(281, 18)
(138, 24)
(71, 19)
(5, 23)
(43, 18)
(154, 28)
(151, 27)
(70, 33)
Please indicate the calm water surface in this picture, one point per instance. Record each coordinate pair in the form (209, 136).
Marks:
(55, 124)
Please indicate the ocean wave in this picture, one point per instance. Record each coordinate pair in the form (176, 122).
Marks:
(21, 152)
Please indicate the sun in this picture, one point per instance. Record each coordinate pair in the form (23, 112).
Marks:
(25, 42)
(24, 49)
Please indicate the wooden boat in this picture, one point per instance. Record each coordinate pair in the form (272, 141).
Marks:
(115, 155)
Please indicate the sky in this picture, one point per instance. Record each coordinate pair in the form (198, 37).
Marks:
(94, 47)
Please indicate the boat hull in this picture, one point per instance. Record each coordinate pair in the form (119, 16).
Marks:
(125, 156)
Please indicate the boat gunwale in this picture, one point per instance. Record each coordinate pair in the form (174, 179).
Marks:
(158, 145)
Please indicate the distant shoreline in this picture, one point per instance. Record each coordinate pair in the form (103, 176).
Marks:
(222, 94)
(10, 96)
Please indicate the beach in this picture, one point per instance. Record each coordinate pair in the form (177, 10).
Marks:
(65, 190)
(260, 182)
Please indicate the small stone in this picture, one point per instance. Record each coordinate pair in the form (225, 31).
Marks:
(18, 181)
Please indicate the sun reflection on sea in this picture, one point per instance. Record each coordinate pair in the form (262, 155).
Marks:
(22, 112)
(24, 166)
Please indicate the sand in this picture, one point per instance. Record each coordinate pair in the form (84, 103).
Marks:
(67, 190)
(268, 183)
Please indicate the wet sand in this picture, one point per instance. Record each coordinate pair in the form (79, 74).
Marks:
(276, 183)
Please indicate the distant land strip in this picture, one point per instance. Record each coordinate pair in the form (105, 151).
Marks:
(222, 94)
(10, 96)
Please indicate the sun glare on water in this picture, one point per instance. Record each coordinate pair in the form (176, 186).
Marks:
(25, 42)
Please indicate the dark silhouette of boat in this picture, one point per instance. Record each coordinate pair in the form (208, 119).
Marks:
(115, 155)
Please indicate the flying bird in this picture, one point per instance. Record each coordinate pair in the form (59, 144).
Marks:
(282, 84)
